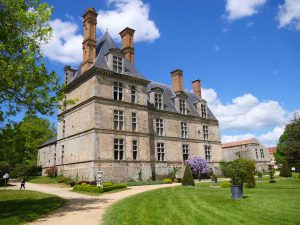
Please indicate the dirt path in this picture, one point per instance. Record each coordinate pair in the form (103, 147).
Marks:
(83, 209)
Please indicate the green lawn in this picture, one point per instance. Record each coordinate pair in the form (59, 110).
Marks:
(19, 207)
(272, 204)
(42, 180)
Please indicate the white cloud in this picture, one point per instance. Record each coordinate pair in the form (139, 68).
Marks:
(128, 13)
(289, 14)
(271, 138)
(233, 138)
(66, 44)
(237, 9)
(245, 113)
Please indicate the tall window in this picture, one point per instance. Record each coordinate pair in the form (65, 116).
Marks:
(262, 155)
(118, 120)
(134, 121)
(117, 64)
(62, 154)
(134, 149)
(182, 106)
(203, 111)
(184, 130)
(205, 132)
(133, 93)
(118, 149)
(256, 153)
(207, 153)
(159, 124)
(185, 152)
(64, 128)
(158, 101)
(160, 147)
(118, 91)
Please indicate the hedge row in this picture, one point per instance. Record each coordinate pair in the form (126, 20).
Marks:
(94, 189)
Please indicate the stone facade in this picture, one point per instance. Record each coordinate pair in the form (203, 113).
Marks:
(251, 149)
(126, 125)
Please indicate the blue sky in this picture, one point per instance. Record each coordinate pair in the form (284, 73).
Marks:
(246, 53)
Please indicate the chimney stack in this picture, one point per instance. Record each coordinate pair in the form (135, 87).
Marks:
(89, 38)
(177, 81)
(127, 43)
(197, 87)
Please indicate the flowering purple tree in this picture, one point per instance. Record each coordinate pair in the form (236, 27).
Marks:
(198, 166)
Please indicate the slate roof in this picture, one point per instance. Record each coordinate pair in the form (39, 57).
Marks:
(104, 43)
(239, 143)
(169, 96)
(49, 142)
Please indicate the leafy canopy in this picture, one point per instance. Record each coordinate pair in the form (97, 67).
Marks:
(288, 147)
(25, 83)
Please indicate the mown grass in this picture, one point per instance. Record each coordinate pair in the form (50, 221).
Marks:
(42, 180)
(19, 206)
(272, 204)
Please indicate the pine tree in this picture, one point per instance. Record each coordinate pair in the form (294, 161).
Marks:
(250, 180)
(188, 177)
(271, 173)
(285, 171)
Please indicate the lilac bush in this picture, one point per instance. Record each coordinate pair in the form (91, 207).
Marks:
(198, 166)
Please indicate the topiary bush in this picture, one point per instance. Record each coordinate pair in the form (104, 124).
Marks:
(250, 180)
(106, 184)
(225, 184)
(271, 174)
(259, 174)
(285, 171)
(88, 188)
(114, 187)
(188, 177)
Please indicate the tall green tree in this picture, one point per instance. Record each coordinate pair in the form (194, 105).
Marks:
(19, 142)
(288, 147)
(25, 83)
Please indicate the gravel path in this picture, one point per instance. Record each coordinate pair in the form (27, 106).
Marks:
(82, 209)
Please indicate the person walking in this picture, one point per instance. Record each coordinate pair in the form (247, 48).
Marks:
(22, 183)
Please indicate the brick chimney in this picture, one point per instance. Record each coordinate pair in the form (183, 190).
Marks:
(89, 38)
(197, 87)
(177, 81)
(127, 43)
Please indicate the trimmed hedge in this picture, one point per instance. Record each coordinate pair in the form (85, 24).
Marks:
(94, 189)
(285, 171)
(225, 184)
(114, 187)
(167, 181)
(188, 178)
(142, 183)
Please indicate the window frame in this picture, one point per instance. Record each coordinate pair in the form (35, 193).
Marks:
(133, 96)
(205, 132)
(119, 151)
(135, 150)
(203, 111)
(134, 121)
(182, 106)
(184, 129)
(118, 91)
(117, 64)
(185, 152)
(118, 119)
(159, 126)
(207, 153)
(158, 101)
(160, 150)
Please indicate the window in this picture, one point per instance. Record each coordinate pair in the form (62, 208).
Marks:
(207, 153)
(158, 101)
(118, 120)
(159, 123)
(262, 155)
(118, 149)
(205, 132)
(160, 147)
(185, 152)
(117, 64)
(256, 153)
(133, 94)
(118, 91)
(62, 154)
(134, 149)
(203, 111)
(182, 106)
(134, 121)
(184, 130)
(64, 128)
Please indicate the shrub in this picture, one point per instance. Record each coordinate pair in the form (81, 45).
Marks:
(141, 183)
(259, 174)
(250, 180)
(167, 181)
(114, 187)
(173, 173)
(22, 170)
(61, 179)
(198, 166)
(106, 184)
(214, 178)
(285, 171)
(2, 181)
(51, 171)
(188, 177)
(72, 183)
(179, 180)
(225, 184)
(88, 188)
(237, 170)
(4, 168)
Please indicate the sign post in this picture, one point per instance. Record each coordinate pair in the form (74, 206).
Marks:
(5, 176)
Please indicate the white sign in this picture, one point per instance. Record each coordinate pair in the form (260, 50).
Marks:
(293, 168)
(6, 176)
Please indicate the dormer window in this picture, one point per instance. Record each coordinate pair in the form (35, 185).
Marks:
(117, 64)
(158, 101)
(203, 111)
(182, 106)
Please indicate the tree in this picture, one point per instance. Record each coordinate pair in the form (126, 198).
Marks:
(285, 171)
(271, 173)
(198, 166)
(25, 83)
(19, 142)
(250, 180)
(188, 177)
(288, 147)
